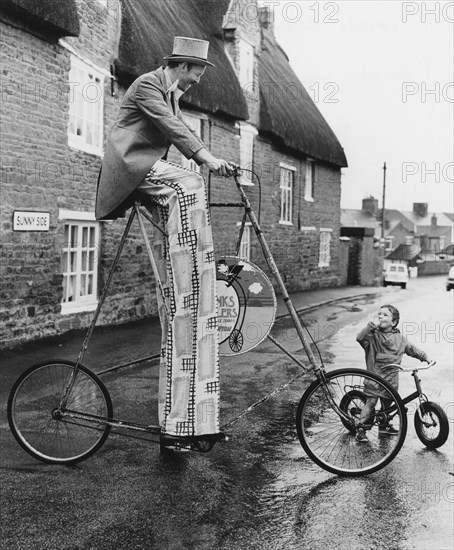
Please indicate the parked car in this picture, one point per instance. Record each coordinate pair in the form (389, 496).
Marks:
(396, 274)
(450, 279)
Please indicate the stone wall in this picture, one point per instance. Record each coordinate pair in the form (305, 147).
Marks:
(40, 172)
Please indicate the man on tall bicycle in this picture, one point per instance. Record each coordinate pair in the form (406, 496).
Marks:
(135, 166)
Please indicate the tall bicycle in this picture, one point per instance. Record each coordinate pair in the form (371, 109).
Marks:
(61, 412)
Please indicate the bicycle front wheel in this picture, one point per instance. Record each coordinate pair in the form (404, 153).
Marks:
(329, 438)
(431, 425)
(51, 433)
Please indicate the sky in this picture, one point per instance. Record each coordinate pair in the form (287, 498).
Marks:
(381, 73)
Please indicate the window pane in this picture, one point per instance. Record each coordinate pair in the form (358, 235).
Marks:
(286, 184)
(79, 265)
(95, 137)
(73, 262)
(84, 237)
(65, 289)
(92, 237)
(86, 106)
(84, 264)
(64, 262)
(71, 288)
(74, 229)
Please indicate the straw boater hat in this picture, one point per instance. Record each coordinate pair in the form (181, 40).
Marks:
(190, 50)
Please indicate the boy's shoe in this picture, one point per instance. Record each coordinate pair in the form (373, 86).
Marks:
(388, 429)
(361, 435)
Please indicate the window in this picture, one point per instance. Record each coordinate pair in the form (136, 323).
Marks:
(286, 184)
(246, 65)
(434, 244)
(79, 263)
(86, 99)
(325, 247)
(247, 134)
(389, 244)
(310, 180)
(195, 123)
(245, 246)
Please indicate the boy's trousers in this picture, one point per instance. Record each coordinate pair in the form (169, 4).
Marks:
(189, 367)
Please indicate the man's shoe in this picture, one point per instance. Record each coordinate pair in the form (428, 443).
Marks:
(361, 435)
(388, 429)
(190, 442)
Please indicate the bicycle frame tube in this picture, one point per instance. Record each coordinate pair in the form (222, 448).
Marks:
(405, 400)
(102, 298)
(134, 212)
(112, 422)
(277, 276)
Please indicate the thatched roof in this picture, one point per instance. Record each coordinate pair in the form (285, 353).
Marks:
(56, 17)
(148, 29)
(288, 113)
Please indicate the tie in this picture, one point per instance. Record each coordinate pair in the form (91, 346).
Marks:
(173, 102)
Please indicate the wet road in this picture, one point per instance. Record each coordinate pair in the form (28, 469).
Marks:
(259, 490)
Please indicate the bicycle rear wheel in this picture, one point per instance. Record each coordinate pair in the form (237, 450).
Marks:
(329, 439)
(48, 432)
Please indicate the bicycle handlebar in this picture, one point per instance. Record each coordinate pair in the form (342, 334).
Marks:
(413, 369)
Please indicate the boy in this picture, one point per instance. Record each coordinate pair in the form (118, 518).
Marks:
(383, 344)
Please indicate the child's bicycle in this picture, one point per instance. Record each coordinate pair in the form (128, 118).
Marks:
(61, 412)
(430, 420)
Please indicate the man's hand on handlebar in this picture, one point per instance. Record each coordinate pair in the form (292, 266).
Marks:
(222, 167)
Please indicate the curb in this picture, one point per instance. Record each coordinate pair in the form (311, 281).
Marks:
(327, 302)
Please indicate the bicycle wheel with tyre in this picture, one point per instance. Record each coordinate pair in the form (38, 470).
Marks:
(52, 433)
(431, 425)
(329, 438)
(351, 404)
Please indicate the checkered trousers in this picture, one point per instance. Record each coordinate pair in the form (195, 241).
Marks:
(189, 367)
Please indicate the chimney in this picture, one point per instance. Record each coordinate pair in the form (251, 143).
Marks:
(266, 17)
(420, 209)
(370, 205)
(433, 221)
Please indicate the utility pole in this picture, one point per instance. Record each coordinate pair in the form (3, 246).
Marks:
(383, 207)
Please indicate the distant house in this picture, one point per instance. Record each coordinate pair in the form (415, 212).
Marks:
(65, 68)
(430, 232)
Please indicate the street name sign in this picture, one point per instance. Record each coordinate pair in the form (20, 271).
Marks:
(24, 220)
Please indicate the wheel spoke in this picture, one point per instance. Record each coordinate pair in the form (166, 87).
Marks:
(329, 439)
(48, 437)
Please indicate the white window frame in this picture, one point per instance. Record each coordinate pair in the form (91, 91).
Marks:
(246, 65)
(86, 106)
(195, 123)
(286, 187)
(325, 247)
(245, 245)
(309, 180)
(389, 244)
(83, 301)
(247, 135)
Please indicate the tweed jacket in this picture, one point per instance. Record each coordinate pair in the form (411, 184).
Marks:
(145, 127)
